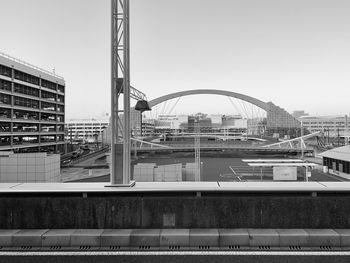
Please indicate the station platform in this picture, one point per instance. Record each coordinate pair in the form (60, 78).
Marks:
(143, 187)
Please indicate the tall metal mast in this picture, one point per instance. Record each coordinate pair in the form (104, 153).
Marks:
(197, 151)
(120, 83)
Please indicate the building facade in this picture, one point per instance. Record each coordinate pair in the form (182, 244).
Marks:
(337, 161)
(32, 108)
(148, 127)
(332, 126)
(85, 129)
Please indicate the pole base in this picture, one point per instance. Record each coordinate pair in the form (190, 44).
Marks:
(131, 184)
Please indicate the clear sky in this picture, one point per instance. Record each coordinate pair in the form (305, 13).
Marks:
(295, 53)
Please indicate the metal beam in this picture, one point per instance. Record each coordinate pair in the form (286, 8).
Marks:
(298, 139)
(136, 94)
(114, 94)
(126, 93)
(120, 84)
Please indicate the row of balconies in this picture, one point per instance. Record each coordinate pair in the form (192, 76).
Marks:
(27, 140)
(56, 99)
(57, 108)
(33, 82)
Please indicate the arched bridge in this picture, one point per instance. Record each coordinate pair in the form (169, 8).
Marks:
(246, 98)
(277, 117)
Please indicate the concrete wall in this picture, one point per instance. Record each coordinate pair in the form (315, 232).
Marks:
(29, 167)
(147, 210)
(340, 174)
(168, 173)
(144, 172)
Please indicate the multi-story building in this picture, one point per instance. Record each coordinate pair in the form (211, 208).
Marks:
(32, 107)
(171, 123)
(85, 129)
(331, 125)
(148, 127)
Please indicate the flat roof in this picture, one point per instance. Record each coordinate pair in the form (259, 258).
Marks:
(30, 66)
(339, 153)
(272, 160)
(282, 164)
(273, 186)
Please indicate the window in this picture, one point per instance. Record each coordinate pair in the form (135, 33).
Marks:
(19, 140)
(48, 128)
(48, 95)
(48, 138)
(48, 106)
(60, 138)
(48, 84)
(5, 85)
(5, 71)
(19, 88)
(25, 115)
(61, 88)
(5, 113)
(25, 127)
(48, 117)
(346, 168)
(30, 139)
(60, 98)
(26, 77)
(61, 119)
(5, 140)
(5, 99)
(60, 108)
(5, 127)
(24, 102)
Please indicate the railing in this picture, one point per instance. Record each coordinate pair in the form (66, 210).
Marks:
(30, 65)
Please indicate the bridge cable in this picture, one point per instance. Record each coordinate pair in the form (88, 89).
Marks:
(172, 108)
(234, 105)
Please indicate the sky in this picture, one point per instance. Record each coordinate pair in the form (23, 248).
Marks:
(294, 53)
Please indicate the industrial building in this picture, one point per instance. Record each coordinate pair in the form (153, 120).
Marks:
(337, 161)
(32, 108)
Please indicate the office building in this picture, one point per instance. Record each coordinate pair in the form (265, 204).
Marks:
(148, 127)
(332, 126)
(85, 129)
(32, 108)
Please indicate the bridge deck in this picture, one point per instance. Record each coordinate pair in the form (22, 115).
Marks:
(221, 147)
